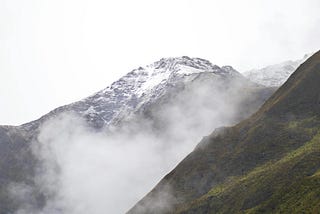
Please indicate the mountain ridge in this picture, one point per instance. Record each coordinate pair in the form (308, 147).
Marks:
(211, 178)
(144, 83)
(275, 75)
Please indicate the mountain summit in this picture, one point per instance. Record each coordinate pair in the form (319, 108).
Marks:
(139, 87)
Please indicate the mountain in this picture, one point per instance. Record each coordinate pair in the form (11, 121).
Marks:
(137, 88)
(268, 163)
(275, 75)
(166, 98)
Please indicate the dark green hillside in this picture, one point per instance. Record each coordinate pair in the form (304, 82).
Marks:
(269, 163)
(289, 185)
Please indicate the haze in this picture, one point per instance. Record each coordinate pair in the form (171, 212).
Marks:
(56, 52)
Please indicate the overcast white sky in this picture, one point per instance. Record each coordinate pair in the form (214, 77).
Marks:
(53, 52)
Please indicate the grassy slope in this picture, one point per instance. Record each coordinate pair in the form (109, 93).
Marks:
(287, 182)
(291, 185)
(267, 163)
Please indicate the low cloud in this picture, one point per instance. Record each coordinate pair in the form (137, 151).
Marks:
(83, 170)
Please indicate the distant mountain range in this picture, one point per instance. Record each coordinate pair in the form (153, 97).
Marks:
(275, 75)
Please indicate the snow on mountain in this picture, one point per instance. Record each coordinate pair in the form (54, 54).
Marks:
(274, 75)
(140, 86)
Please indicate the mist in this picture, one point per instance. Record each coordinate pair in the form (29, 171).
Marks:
(91, 43)
(84, 170)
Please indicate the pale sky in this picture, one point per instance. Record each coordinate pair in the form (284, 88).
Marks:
(53, 52)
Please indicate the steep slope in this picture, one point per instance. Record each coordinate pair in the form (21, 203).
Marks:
(275, 75)
(267, 163)
(148, 99)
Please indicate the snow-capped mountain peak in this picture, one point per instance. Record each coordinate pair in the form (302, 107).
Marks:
(142, 80)
(275, 75)
(178, 63)
(143, 86)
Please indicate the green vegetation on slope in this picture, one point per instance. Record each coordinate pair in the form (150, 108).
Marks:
(289, 185)
(268, 163)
